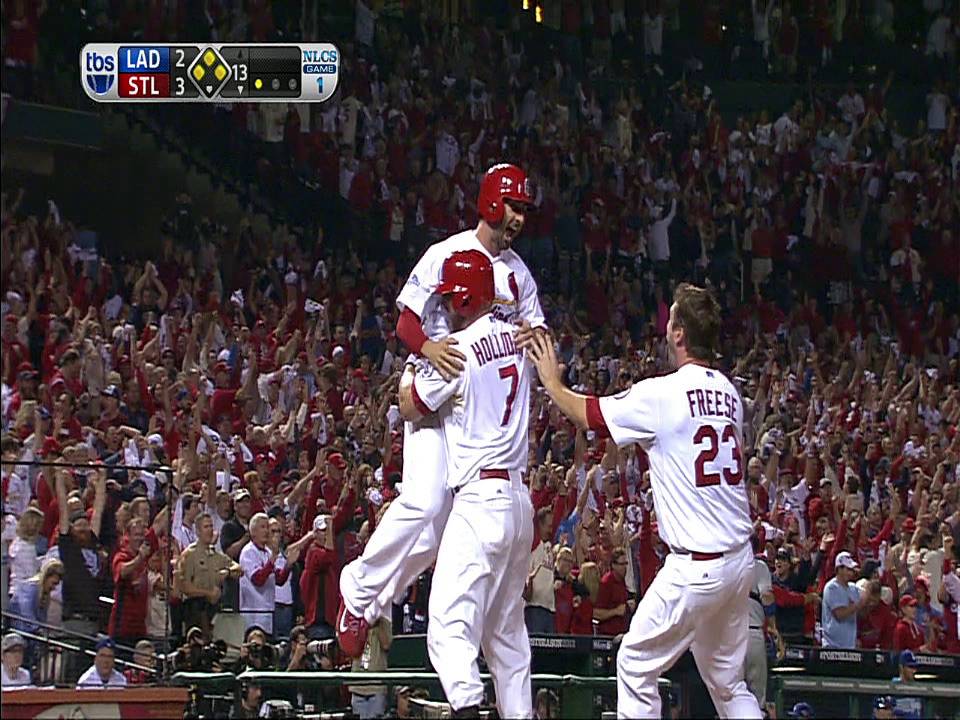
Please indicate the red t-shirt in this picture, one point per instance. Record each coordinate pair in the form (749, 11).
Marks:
(563, 609)
(875, 630)
(613, 593)
(907, 636)
(581, 623)
(128, 617)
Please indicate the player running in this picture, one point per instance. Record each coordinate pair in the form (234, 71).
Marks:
(476, 600)
(405, 542)
(689, 422)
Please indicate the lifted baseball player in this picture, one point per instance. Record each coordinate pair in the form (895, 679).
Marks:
(406, 540)
(689, 422)
(476, 600)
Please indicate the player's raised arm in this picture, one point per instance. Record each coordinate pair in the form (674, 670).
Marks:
(571, 404)
(627, 417)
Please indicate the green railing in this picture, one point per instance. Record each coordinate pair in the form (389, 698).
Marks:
(841, 697)
(576, 692)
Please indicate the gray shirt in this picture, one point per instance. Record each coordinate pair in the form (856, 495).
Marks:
(839, 633)
(762, 583)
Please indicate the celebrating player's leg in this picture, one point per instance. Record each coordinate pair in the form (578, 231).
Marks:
(476, 599)
(689, 423)
(406, 540)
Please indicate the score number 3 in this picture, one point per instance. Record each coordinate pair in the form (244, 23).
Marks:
(708, 434)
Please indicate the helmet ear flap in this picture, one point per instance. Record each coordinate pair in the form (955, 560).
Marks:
(495, 214)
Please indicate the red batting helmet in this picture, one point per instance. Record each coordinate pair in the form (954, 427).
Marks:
(468, 276)
(502, 182)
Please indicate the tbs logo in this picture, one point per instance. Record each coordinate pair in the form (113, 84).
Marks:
(99, 70)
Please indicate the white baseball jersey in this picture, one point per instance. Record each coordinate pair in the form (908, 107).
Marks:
(516, 290)
(486, 427)
(689, 422)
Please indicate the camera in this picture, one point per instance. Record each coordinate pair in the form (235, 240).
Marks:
(261, 655)
(323, 648)
(195, 657)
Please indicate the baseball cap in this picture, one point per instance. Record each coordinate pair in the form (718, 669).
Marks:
(336, 459)
(26, 368)
(801, 710)
(884, 702)
(11, 641)
(846, 560)
(50, 447)
(908, 659)
(105, 642)
(241, 494)
(907, 601)
(825, 481)
(111, 391)
(320, 522)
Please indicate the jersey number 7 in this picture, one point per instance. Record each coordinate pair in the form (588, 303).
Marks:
(708, 434)
(509, 372)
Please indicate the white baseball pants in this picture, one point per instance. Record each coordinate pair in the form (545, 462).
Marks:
(476, 600)
(697, 604)
(405, 542)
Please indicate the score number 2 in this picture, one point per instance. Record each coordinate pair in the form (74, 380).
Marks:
(180, 88)
(708, 434)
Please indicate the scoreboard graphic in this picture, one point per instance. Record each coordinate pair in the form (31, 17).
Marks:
(214, 72)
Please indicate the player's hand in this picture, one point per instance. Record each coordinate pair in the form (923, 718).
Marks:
(524, 334)
(444, 357)
(545, 359)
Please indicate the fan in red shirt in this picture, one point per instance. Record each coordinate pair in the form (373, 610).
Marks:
(908, 635)
(877, 622)
(613, 607)
(129, 613)
(320, 580)
(67, 377)
(14, 351)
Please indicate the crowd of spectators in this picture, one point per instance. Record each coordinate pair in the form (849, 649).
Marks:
(224, 410)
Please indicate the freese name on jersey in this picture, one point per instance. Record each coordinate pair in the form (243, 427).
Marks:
(689, 423)
(486, 427)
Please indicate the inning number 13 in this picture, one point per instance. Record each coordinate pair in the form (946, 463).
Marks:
(708, 434)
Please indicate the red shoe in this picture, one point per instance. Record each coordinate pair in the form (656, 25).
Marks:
(351, 632)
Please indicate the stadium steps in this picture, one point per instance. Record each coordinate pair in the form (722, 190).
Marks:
(194, 159)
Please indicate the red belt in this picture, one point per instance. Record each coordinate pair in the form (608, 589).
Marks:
(494, 474)
(706, 556)
(698, 555)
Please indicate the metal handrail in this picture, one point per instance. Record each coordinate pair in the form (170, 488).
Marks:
(85, 651)
(62, 631)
